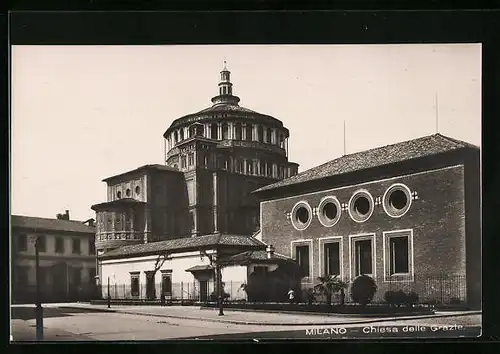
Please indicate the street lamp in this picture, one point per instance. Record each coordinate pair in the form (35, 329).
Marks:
(38, 302)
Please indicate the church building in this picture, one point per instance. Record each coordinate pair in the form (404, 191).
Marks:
(199, 200)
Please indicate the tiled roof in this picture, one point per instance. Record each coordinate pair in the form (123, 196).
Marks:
(122, 201)
(390, 154)
(186, 244)
(259, 256)
(156, 167)
(45, 224)
(198, 268)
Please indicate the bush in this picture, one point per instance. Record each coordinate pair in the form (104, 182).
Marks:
(411, 298)
(400, 298)
(363, 289)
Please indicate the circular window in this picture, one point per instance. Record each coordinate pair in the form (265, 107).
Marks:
(301, 215)
(397, 200)
(119, 195)
(361, 206)
(137, 190)
(329, 211)
(128, 192)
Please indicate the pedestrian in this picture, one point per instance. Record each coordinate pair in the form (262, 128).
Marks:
(291, 296)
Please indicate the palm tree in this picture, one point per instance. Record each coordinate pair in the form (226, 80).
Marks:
(329, 285)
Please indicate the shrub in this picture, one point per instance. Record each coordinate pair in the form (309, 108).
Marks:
(411, 298)
(329, 285)
(363, 289)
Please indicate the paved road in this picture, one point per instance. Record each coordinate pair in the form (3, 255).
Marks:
(84, 324)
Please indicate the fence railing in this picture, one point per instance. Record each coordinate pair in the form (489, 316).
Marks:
(184, 291)
(430, 289)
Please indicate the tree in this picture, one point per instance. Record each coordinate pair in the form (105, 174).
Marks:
(160, 260)
(329, 285)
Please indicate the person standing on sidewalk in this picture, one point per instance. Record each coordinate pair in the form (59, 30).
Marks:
(291, 296)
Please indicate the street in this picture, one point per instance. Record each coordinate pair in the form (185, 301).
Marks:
(77, 324)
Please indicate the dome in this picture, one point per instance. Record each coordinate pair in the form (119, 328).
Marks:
(226, 106)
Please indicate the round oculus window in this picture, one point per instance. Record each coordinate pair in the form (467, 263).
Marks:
(137, 190)
(397, 200)
(329, 211)
(301, 215)
(127, 193)
(361, 206)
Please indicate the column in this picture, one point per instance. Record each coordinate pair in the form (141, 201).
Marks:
(273, 136)
(244, 166)
(265, 168)
(259, 171)
(219, 131)
(275, 170)
(244, 131)
(230, 128)
(254, 132)
(186, 132)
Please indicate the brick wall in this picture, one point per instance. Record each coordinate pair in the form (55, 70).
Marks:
(436, 218)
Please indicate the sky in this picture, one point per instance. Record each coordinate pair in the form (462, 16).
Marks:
(80, 114)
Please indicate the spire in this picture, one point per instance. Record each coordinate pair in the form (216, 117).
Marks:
(225, 95)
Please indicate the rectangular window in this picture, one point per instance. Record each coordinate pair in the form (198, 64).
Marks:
(399, 255)
(22, 243)
(363, 257)
(41, 243)
(76, 246)
(134, 284)
(91, 246)
(191, 159)
(183, 162)
(331, 253)
(303, 259)
(166, 283)
(59, 245)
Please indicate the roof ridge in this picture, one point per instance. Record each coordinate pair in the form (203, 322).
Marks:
(457, 141)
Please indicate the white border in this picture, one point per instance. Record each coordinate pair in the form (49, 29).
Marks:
(374, 253)
(406, 190)
(372, 204)
(309, 241)
(292, 215)
(411, 274)
(365, 183)
(324, 201)
(323, 241)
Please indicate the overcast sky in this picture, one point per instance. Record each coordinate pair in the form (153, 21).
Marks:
(83, 113)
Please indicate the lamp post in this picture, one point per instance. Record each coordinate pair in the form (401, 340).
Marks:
(109, 296)
(38, 301)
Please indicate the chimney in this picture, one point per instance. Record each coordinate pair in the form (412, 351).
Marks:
(66, 215)
(270, 251)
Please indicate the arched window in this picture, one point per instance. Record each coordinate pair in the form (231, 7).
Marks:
(238, 131)
(213, 130)
(268, 136)
(182, 134)
(260, 133)
(176, 137)
(225, 131)
(249, 132)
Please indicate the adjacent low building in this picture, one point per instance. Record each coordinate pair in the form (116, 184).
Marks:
(67, 262)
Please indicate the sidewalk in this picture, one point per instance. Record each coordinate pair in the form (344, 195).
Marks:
(22, 331)
(253, 318)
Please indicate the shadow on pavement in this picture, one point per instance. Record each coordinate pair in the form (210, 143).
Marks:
(28, 313)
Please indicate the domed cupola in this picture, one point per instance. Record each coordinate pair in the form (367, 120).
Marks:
(225, 95)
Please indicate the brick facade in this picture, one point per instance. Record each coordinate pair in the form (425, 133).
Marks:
(444, 231)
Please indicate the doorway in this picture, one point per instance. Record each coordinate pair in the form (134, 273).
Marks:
(150, 286)
(203, 290)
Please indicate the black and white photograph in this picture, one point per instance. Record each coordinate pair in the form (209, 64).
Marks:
(231, 192)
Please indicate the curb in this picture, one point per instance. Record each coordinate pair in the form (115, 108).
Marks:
(204, 319)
